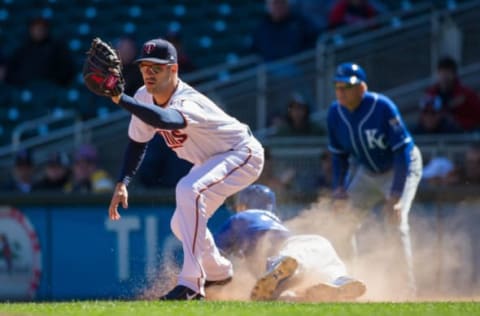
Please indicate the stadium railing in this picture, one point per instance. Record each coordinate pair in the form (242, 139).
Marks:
(252, 91)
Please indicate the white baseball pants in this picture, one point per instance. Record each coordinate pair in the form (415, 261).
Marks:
(198, 195)
(318, 262)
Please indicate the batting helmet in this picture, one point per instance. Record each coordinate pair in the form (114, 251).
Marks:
(350, 73)
(256, 196)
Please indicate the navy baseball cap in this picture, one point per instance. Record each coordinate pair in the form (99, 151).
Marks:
(158, 51)
(350, 73)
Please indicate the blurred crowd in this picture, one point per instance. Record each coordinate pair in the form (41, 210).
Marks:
(60, 173)
(286, 28)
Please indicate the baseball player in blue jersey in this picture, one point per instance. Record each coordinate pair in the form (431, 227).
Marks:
(256, 234)
(368, 127)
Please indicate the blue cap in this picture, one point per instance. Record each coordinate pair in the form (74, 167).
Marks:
(257, 196)
(158, 51)
(350, 73)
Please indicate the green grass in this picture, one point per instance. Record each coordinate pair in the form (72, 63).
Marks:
(208, 308)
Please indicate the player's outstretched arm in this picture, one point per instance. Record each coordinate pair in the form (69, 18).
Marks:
(120, 196)
(151, 114)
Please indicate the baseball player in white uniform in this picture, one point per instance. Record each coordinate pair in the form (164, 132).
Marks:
(225, 155)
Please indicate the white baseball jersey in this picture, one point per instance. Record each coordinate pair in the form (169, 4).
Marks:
(226, 158)
(209, 129)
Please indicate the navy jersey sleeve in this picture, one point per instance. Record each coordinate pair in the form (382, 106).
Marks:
(153, 115)
(134, 155)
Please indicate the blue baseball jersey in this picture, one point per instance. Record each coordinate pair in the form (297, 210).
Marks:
(240, 234)
(374, 134)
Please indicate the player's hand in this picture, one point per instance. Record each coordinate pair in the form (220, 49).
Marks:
(120, 196)
(392, 211)
(116, 98)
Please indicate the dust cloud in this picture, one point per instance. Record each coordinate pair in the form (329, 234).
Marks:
(442, 252)
(441, 245)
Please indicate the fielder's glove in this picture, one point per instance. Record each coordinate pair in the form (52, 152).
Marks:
(102, 70)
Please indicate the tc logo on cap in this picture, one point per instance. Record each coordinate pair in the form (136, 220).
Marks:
(158, 51)
(149, 47)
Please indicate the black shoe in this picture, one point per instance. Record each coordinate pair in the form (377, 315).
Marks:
(182, 293)
(209, 283)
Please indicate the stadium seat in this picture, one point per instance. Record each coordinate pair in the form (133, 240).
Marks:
(218, 40)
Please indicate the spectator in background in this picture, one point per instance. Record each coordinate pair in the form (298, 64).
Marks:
(306, 179)
(317, 11)
(56, 173)
(22, 176)
(41, 58)
(298, 121)
(433, 118)
(459, 101)
(351, 12)
(472, 164)
(437, 172)
(185, 63)
(282, 32)
(467, 171)
(3, 68)
(87, 177)
(4, 90)
(128, 50)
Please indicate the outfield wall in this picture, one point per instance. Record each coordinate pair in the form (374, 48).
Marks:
(75, 252)
(70, 250)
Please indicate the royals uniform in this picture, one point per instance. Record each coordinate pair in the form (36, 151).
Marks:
(388, 162)
(261, 237)
(225, 157)
(242, 232)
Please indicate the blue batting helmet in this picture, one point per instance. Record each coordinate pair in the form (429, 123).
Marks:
(350, 73)
(256, 196)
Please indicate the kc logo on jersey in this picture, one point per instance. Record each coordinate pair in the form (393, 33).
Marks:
(174, 139)
(375, 140)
